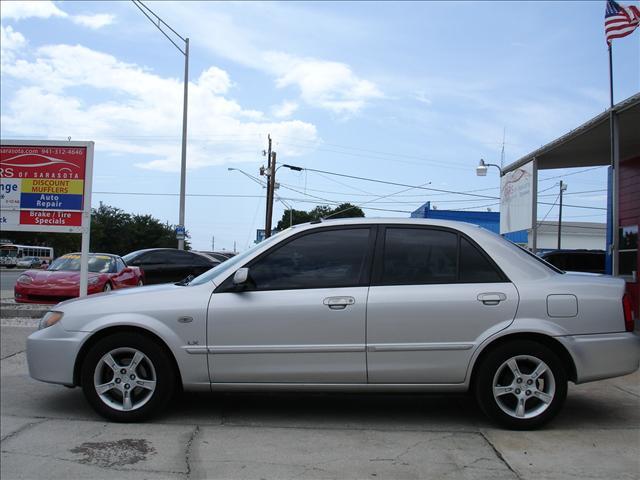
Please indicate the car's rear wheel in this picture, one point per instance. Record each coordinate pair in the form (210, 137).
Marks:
(107, 287)
(140, 283)
(521, 385)
(127, 377)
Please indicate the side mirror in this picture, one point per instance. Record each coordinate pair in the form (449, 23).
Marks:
(241, 276)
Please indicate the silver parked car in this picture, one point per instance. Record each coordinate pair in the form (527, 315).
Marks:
(360, 305)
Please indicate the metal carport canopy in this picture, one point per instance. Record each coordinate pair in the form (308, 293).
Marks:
(589, 144)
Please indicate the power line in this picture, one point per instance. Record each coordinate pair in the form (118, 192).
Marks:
(453, 192)
(572, 173)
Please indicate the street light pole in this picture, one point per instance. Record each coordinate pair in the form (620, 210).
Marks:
(183, 160)
(159, 24)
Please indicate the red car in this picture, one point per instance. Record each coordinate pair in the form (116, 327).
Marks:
(61, 281)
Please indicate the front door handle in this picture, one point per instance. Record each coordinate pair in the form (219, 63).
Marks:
(338, 303)
(491, 298)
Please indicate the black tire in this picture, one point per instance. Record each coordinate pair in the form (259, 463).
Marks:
(488, 370)
(107, 287)
(164, 374)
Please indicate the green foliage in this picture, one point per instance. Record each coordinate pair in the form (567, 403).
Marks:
(112, 231)
(345, 210)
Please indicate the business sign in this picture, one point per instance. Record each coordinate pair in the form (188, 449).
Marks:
(516, 199)
(45, 186)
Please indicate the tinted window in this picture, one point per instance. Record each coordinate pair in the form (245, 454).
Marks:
(153, 258)
(119, 265)
(334, 258)
(418, 256)
(474, 267)
(178, 257)
(202, 261)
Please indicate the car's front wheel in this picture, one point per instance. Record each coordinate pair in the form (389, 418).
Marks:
(521, 385)
(127, 377)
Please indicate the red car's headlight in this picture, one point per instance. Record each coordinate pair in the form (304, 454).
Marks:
(24, 279)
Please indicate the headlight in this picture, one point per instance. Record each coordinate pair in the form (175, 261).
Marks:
(93, 280)
(25, 279)
(50, 318)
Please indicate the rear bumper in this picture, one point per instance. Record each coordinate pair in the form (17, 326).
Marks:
(52, 352)
(603, 355)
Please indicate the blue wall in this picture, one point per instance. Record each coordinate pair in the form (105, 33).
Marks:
(488, 220)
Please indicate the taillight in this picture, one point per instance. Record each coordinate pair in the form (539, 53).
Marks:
(628, 316)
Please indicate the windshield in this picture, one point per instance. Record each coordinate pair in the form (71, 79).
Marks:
(233, 262)
(8, 252)
(71, 263)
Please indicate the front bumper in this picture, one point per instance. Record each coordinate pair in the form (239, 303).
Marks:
(50, 294)
(52, 352)
(603, 355)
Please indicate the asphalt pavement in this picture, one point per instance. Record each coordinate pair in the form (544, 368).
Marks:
(8, 277)
(49, 432)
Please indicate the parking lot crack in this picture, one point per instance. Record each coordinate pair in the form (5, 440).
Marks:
(12, 355)
(187, 453)
(21, 429)
(627, 391)
(499, 455)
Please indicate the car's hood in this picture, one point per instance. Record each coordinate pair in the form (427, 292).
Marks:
(41, 277)
(119, 300)
(140, 304)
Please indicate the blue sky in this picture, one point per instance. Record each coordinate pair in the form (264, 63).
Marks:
(406, 92)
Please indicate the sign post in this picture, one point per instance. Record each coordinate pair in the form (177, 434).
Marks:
(45, 186)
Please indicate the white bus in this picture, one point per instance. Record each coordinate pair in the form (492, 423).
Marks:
(11, 254)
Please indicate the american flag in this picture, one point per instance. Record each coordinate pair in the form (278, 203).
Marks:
(620, 21)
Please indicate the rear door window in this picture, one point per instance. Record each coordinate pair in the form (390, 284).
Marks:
(475, 267)
(417, 256)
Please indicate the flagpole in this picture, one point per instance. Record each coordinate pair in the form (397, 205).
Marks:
(614, 166)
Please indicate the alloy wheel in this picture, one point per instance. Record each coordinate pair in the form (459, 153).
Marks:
(523, 386)
(125, 379)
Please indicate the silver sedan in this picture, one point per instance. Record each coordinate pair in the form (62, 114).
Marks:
(359, 305)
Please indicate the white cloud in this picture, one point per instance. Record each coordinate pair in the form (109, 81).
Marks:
(321, 83)
(13, 10)
(10, 41)
(329, 85)
(285, 109)
(215, 79)
(142, 113)
(28, 9)
(95, 22)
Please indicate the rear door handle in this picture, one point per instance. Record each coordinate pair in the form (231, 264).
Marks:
(491, 298)
(338, 303)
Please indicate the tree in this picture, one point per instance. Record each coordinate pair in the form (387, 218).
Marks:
(345, 210)
(112, 231)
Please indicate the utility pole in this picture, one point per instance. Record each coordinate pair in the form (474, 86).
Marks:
(169, 32)
(213, 243)
(267, 223)
(563, 187)
(270, 191)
